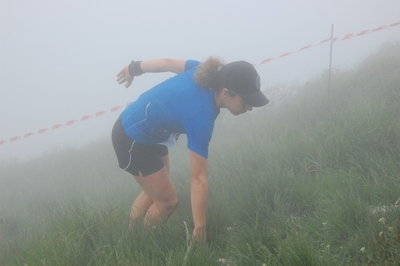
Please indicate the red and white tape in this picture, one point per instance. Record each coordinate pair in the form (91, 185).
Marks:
(336, 39)
(100, 113)
(68, 123)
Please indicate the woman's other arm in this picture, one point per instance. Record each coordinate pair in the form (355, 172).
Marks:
(199, 191)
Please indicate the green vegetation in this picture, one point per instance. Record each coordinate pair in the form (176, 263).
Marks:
(313, 181)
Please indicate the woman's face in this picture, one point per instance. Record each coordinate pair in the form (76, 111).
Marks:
(236, 105)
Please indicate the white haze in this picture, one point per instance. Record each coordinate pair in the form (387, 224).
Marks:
(59, 59)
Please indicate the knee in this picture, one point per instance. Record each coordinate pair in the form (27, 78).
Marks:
(170, 206)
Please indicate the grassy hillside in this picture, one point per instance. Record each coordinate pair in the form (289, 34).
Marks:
(311, 181)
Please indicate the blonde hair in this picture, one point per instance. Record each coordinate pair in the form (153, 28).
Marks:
(207, 73)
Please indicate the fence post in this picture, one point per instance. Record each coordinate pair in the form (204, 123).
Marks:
(330, 68)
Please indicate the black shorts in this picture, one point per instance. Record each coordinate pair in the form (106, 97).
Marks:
(133, 156)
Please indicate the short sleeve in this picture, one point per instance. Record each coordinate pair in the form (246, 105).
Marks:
(199, 129)
(191, 64)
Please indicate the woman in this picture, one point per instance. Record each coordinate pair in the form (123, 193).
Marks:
(188, 103)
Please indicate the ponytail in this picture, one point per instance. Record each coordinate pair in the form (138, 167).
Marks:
(207, 73)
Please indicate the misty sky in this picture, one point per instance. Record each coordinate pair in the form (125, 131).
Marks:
(59, 59)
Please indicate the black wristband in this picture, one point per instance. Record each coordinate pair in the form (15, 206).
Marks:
(134, 69)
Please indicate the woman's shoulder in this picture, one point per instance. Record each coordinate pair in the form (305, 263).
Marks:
(191, 64)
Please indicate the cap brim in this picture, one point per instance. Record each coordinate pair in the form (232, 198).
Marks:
(255, 99)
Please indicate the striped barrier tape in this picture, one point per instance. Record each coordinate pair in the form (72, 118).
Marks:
(336, 39)
(68, 123)
(100, 113)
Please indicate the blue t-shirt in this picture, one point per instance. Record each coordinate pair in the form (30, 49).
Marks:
(176, 106)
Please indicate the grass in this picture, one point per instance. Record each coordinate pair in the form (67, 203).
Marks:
(312, 180)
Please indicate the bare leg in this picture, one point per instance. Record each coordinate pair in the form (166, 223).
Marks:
(139, 207)
(158, 199)
(165, 160)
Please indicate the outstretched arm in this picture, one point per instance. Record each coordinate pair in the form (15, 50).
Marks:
(152, 66)
(163, 65)
(199, 191)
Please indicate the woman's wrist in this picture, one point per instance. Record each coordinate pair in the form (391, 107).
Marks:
(134, 69)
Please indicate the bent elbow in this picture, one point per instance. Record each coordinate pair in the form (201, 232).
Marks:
(199, 181)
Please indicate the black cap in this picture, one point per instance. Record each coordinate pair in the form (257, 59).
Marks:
(242, 78)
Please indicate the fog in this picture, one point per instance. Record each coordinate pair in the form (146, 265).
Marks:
(59, 59)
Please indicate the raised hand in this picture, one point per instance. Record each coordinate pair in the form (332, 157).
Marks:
(124, 77)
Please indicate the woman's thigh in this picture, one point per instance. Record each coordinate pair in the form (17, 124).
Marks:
(158, 185)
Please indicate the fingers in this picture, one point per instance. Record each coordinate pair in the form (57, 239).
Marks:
(124, 71)
(128, 83)
(199, 235)
(121, 72)
(124, 77)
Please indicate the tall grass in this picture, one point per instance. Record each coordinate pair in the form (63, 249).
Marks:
(313, 181)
